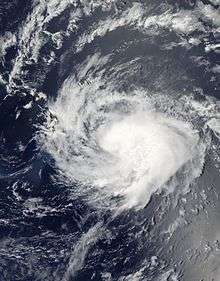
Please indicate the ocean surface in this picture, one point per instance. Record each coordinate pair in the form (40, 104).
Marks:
(109, 140)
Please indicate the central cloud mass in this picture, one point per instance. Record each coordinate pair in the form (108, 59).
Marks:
(148, 149)
(120, 148)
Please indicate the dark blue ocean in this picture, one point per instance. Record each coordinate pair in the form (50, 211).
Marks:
(109, 140)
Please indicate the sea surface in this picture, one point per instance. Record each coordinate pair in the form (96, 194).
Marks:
(109, 140)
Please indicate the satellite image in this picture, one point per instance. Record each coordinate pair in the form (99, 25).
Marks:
(109, 140)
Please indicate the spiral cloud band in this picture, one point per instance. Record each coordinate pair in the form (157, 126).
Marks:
(119, 146)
